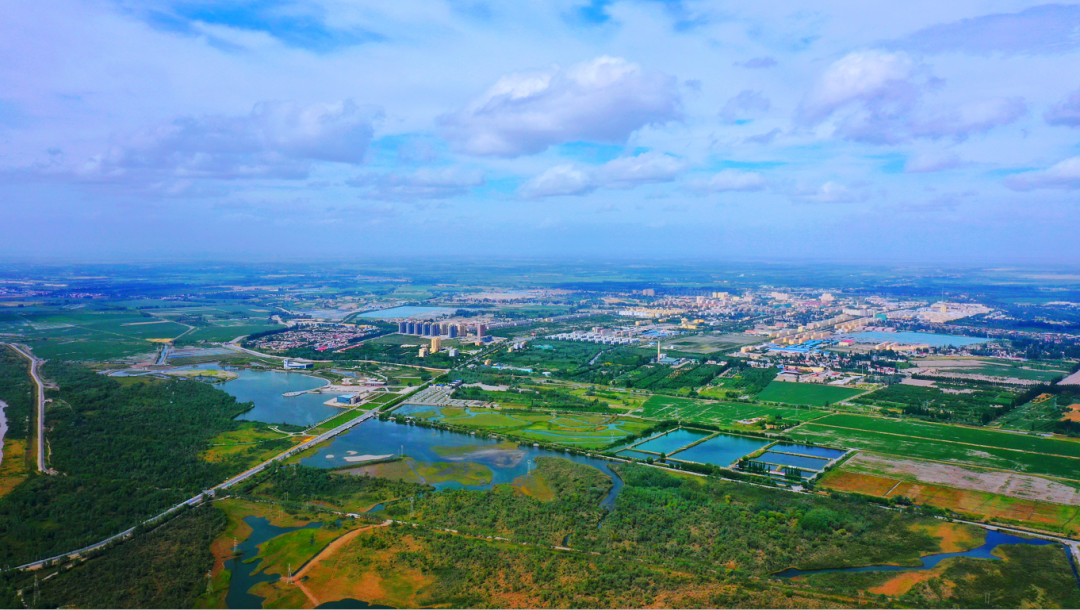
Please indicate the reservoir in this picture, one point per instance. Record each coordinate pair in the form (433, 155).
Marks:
(407, 311)
(916, 338)
(266, 389)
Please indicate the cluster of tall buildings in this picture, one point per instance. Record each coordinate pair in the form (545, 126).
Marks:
(437, 329)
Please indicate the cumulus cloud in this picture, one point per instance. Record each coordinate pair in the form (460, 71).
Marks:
(275, 140)
(1066, 112)
(729, 180)
(746, 103)
(1050, 28)
(424, 183)
(1062, 175)
(624, 172)
(603, 100)
(932, 162)
(884, 81)
(569, 179)
(876, 97)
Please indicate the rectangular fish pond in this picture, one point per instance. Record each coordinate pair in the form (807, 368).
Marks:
(721, 450)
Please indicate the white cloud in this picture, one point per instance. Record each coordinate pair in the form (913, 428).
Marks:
(873, 77)
(1066, 112)
(603, 100)
(1062, 175)
(275, 140)
(424, 183)
(566, 179)
(624, 172)
(729, 180)
(877, 97)
(932, 162)
(646, 167)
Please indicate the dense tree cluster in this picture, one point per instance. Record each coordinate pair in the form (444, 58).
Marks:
(125, 452)
(163, 568)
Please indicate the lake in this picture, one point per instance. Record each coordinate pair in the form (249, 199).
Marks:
(375, 437)
(407, 311)
(265, 389)
(916, 338)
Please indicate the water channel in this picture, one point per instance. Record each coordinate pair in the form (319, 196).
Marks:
(994, 539)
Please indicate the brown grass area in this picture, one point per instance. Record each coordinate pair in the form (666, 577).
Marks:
(955, 537)
(536, 486)
(358, 572)
(1073, 414)
(871, 485)
(14, 468)
(904, 582)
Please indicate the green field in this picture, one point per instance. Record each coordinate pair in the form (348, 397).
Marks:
(977, 447)
(958, 434)
(806, 393)
(225, 333)
(687, 409)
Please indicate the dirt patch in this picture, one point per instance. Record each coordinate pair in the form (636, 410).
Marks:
(842, 480)
(1016, 485)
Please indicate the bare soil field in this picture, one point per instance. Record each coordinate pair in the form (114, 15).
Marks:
(1021, 486)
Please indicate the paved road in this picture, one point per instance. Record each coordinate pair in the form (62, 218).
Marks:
(196, 500)
(34, 364)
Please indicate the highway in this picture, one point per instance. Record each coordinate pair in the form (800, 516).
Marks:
(34, 364)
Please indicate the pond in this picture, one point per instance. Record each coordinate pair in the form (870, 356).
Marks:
(671, 441)
(994, 539)
(798, 461)
(822, 452)
(266, 389)
(507, 461)
(243, 576)
(722, 450)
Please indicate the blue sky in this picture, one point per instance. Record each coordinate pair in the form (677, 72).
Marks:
(918, 131)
